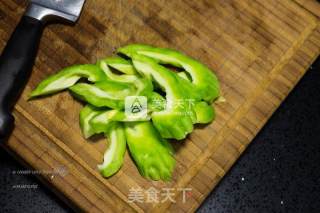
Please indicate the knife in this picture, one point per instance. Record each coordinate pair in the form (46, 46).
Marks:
(17, 58)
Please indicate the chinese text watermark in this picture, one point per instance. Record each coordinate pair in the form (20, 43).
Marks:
(153, 195)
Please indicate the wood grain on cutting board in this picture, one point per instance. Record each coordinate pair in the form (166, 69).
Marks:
(258, 49)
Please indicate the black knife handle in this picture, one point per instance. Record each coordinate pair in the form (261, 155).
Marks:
(16, 62)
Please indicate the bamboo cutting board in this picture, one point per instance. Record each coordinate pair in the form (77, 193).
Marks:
(258, 49)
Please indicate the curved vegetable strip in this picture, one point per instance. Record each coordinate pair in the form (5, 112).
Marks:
(205, 113)
(114, 155)
(176, 121)
(115, 77)
(67, 78)
(152, 154)
(143, 86)
(116, 87)
(189, 89)
(104, 119)
(86, 114)
(121, 65)
(184, 75)
(97, 94)
(202, 77)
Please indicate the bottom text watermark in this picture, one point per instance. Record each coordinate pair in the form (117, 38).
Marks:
(153, 195)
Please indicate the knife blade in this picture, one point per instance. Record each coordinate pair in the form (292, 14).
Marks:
(50, 9)
(17, 58)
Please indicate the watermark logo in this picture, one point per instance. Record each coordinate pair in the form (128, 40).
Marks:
(60, 170)
(57, 171)
(25, 186)
(153, 195)
(136, 107)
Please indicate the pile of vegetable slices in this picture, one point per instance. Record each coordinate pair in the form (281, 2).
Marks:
(179, 91)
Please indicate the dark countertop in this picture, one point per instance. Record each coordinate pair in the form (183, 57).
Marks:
(279, 171)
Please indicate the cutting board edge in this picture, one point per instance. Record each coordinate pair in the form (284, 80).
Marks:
(275, 109)
(74, 206)
(269, 116)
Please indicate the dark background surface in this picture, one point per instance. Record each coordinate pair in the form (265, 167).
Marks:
(279, 171)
